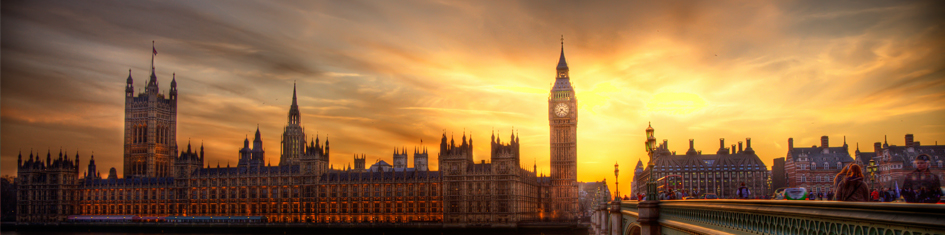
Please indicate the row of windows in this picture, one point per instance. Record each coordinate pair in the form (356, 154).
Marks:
(408, 207)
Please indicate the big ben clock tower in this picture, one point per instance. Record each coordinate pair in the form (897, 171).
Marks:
(562, 119)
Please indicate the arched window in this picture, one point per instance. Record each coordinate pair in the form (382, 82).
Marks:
(826, 166)
(813, 166)
(839, 165)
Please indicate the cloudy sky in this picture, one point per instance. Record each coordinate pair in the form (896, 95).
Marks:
(377, 75)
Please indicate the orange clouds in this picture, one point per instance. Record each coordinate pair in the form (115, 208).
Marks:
(377, 76)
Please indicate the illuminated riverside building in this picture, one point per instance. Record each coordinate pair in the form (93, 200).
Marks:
(814, 168)
(720, 173)
(162, 181)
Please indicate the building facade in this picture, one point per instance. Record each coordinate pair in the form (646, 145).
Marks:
(892, 163)
(498, 193)
(161, 181)
(814, 168)
(562, 119)
(721, 173)
(778, 175)
(150, 128)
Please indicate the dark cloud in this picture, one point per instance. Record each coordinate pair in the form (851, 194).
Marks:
(373, 76)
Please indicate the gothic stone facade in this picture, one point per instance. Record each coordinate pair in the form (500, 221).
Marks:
(562, 119)
(162, 181)
(721, 173)
(499, 193)
(150, 129)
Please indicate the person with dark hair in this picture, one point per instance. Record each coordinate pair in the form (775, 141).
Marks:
(921, 182)
(853, 188)
(743, 192)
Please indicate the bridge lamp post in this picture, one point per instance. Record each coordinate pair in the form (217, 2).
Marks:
(872, 171)
(617, 179)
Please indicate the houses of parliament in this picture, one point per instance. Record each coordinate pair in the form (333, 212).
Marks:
(163, 179)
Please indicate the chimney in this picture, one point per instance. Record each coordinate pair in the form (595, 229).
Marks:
(824, 142)
(739, 147)
(916, 144)
(721, 143)
(666, 144)
(909, 140)
(790, 144)
(877, 147)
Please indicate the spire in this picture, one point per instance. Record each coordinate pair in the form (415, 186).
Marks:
(294, 103)
(173, 79)
(294, 114)
(257, 134)
(562, 63)
(129, 77)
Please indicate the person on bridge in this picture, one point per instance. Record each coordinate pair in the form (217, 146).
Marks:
(853, 188)
(924, 187)
(841, 176)
(743, 192)
(874, 196)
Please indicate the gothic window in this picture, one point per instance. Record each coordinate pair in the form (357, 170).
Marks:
(813, 166)
(826, 166)
(839, 165)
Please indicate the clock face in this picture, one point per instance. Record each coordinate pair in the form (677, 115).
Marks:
(561, 110)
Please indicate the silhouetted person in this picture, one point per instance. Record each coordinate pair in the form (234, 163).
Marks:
(853, 189)
(919, 179)
(743, 192)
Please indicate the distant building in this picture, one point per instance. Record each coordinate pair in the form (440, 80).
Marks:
(721, 173)
(894, 162)
(816, 167)
(778, 175)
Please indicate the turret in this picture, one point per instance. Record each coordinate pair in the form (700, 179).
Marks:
(129, 87)
(173, 91)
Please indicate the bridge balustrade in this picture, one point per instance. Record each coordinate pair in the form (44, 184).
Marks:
(771, 217)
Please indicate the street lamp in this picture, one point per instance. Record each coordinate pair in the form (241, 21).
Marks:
(872, 171)
(617, 179)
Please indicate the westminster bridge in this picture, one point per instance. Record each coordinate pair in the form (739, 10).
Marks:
(766, 217)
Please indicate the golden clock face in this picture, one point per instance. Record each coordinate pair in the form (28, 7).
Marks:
(561, 110)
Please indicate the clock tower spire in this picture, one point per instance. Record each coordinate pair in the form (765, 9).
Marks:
(562, 119)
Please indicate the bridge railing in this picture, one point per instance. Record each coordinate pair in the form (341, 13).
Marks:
(783, 217)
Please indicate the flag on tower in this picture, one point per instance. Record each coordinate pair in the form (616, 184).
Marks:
(155, 50)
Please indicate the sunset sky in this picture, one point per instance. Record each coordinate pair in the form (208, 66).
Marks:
(377, 75)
